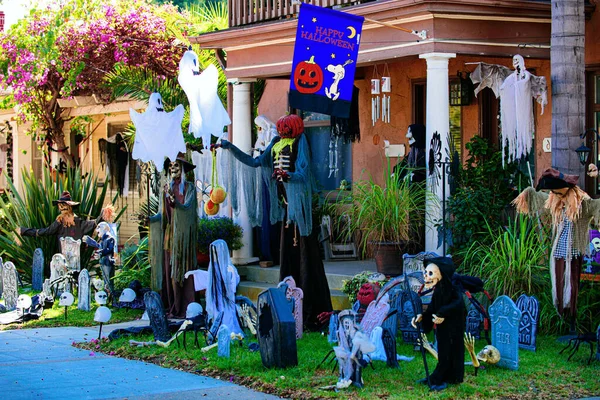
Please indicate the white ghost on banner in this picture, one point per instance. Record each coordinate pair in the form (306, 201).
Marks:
(207, 114)
(157, 133)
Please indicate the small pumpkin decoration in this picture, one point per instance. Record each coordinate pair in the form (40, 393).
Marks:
(211, 208)
(308, 76)
(290, 126)
(218, 195)
(367, 293)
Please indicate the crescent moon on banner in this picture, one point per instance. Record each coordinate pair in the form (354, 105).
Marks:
(352, 32)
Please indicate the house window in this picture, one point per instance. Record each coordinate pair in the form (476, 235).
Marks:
(37, 159)
(317, 128)
(489, 113)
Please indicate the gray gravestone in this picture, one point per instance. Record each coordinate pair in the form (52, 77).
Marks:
(407, 313)
(156, 314)
(9, 280)
(46, 290)
(37, 270)
(474, 322)
(83, 301)
(505, 317)
(530, 310)
(1, 276)
(223, 341)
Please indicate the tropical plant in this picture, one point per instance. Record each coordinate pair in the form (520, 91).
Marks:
(34, 209)
(211, 229)
(136, 265)
(382, 213)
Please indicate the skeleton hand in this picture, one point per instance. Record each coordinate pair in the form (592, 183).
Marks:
(592, 170)
(416, 320)
(281, 175)
(470, 346)
(85, 238)
(169, 193)
(427, 346)
(437, 320)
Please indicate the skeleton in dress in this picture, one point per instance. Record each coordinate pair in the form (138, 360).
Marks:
(105, 251)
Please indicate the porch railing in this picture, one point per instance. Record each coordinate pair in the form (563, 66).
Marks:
(246, 12)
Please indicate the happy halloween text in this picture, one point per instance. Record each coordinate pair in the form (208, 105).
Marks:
(328, 36)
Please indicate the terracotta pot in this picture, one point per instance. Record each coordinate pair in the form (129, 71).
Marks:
(388, 257)
(202, 259)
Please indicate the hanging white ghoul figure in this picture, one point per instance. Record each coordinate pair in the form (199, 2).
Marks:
(223, 279)
(516, 109)
(157, 132)
(207, 114)
(266, 131)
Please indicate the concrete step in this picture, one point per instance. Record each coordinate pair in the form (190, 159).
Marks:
(251, 290)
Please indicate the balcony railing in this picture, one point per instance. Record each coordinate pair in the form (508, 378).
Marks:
(246, 12)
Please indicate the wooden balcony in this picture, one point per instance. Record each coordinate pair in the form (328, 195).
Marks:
(247, 12)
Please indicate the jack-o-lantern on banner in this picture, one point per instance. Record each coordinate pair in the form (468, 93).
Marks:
(322, 76)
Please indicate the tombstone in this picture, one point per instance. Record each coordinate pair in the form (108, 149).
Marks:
(530, 310)
(9, 280)
(83, 301)
(333, 324)
(375, 314)
(474, 321)
(71, 249)
(391, 322)
(46, 289)
(408, 301)
(223, 341)
(58, 269)
(156, 313)
(294, 292)
(276, 329)
(505, 318)
(37, 270)
(1, 276)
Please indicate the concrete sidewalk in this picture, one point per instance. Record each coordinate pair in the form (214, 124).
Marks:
(42, 364)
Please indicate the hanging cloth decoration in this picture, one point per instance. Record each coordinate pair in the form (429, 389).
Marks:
(375, 101)
(207, 114)
(386, 87)
(348, 128)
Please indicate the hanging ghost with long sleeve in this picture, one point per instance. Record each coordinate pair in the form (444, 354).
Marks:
(157, 132)
(207, 114)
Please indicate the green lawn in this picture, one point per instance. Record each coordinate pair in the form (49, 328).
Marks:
(543, 374)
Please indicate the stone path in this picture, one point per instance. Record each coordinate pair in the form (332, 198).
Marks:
(42, 364)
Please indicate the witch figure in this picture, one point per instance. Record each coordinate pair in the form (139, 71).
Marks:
(286, 170)
(446, 313)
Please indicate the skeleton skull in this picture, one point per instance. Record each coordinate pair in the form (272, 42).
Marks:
(23, 302)
(98, 284)
(489, 354)
(175, 170)
(127, 296)
(432, 276)
(102, 228)
(101, 297)
(519, 63)
(410, 137)
(596, 243)
(66, 299)
(102, 314)
(193, 310)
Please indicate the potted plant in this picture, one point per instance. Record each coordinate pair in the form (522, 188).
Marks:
(213, 228)
(382, 217)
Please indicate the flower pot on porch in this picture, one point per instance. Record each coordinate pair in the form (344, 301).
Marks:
(388, 257)
(202, 259)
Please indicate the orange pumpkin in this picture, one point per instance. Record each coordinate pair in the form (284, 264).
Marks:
(218, 194)
(211, 208)
(308, 76)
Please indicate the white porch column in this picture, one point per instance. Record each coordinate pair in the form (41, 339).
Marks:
(242, 138)
(437, 122)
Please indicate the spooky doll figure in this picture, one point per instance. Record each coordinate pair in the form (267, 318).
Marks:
(173, 233)
(446, 313)
(286, 166)
(105, 251)
(366, 294)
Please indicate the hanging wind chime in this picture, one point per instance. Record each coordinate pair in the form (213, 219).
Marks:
(375, 100)
(386, 87)
(333, 156)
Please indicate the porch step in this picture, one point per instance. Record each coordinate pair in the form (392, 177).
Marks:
(251, 290)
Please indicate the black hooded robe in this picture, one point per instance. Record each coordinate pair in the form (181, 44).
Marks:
(447, 302)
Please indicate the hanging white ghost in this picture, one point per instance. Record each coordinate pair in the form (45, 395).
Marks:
(101, 297)
(157, 132)
(207, 114)
(127, 295)
(102, 314)
(66, 299)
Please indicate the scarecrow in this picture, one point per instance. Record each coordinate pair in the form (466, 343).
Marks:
(68, 224)
(445, 313)
(105, 251)
(173, 236)
(571, 210)
(286, 166)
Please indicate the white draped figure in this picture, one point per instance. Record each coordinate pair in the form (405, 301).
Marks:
(516, 110)
(223, 279)
(266, 130)
(157, 133)
(207, 114)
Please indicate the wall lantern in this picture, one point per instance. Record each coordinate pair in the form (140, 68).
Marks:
(583, 152)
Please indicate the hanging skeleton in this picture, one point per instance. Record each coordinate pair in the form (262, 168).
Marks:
(333, 156)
